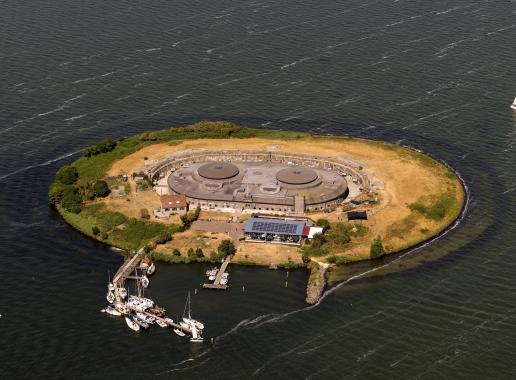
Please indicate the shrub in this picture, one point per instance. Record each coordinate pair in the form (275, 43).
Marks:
(144, 213)
(127, 189)
(95, 230)
(199, 252)
(67, 175)
(324, 223)
(176, 252)
(318, 240)
(100, 188)
(56, 192)
(331, 259)
(163, 238)
(377, 249)
(306, 259)
(103, 146)
(104, 235)
(226, 247)
(311, 251)
(339, 234)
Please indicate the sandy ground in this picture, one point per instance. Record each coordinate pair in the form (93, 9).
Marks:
(405, 180)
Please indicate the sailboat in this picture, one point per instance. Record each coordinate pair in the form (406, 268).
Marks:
(194, 326)
(513, 105)
(132, 325)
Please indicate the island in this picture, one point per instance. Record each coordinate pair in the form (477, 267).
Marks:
(284, 199)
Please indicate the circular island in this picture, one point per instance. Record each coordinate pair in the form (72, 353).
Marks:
(286, 199)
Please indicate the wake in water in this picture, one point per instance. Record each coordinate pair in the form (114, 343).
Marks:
(51, 161)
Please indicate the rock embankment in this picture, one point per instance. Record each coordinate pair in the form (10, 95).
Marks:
(316, 283)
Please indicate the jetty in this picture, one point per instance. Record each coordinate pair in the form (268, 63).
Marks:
(216, 284)
(124, 272)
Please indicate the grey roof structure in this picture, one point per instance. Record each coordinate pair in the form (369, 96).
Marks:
(296, 175)
(218, 170)
(275, 226)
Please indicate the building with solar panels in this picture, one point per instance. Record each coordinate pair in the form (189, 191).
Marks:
(272, 183)
(276, 230)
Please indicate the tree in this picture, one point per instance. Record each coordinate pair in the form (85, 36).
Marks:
(197, 213)
(163, 238)
(377, 249)
(199, 253)
(185, 220)
(226, 247)
(56, 192)
(95, 230)
(190, 253)
(67, 174)
(71, 200)
(100, 188)
(324, 223)
(176, 252)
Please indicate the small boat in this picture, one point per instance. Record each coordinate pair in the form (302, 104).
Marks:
(141, 323)
(122, 308)
(225, 279)
(169, 320)
(145, 281)
(196, 338)
(111, 310)
(122, 292)
(179, 332)
(513, 105)
(188, 321)
(132, 325)
(145, 317)
(110, 297)
(111, 287)
(160, 323)
(151, 269)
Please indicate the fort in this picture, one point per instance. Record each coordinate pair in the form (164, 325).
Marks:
(259, 182)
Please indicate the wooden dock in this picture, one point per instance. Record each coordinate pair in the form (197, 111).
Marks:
(124, 271)
(216, 284)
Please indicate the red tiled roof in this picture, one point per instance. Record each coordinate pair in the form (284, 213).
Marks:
(173, 201)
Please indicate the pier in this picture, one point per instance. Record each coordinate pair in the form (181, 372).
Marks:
(124, 271)
(216, 284)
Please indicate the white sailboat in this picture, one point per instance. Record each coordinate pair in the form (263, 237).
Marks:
(111, 310)
(110, 297)
(513, 105)
(145, 281)
(132, 325)
(188, 321)
(179, 332)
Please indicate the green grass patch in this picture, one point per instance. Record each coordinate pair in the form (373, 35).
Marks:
(437, 208)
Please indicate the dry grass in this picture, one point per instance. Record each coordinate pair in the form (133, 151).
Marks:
(407, 177)
(266, 254)
(207, 241)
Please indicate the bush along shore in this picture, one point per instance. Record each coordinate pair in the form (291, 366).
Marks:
(402, 217)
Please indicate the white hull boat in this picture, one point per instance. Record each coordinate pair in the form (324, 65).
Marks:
(110, 297)
(132, 325)
(111, 287)
(141, 323)
(122, 292)
(193, 322)
(196, 338)
(151, 269)
(513, 105)
(145, 281)
(146, 318)
(111, 310)
(179, 332)
(160, 323)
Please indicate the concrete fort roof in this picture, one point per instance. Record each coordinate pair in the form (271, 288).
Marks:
(296, 175)
(218, 170)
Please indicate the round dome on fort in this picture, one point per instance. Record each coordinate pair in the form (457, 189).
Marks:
(296, 175)
(218, 170)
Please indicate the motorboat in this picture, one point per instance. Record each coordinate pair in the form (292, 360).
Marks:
(145, 281)
(111, 287)
(151, 269)
(111, 310)
(225, 279)
(179, 332)
(513, 105)
(122, 308)
(169, 320)
(141, 323)
(110, 297)
(212, 273)
(160, 323)
(132, 324)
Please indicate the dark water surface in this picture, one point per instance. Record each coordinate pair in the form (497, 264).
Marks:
(437, 75)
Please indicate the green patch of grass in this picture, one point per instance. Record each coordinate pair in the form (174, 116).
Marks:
(438, 208)
(315, 252)
(137, 233)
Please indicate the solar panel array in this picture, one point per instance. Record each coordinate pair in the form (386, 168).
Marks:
(282, 228)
